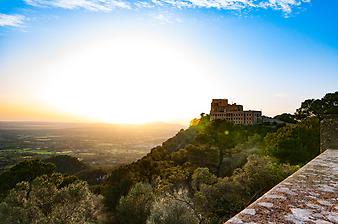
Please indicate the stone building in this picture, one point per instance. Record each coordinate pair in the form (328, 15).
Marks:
(222, 110)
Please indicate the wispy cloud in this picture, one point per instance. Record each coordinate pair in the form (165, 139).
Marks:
(285, 6)
(11, 20)
(93, 5)
(167, 18)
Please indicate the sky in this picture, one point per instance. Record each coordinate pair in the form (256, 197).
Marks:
(136, 61)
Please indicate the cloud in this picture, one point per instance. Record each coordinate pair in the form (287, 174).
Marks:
(285, 6)
(93, 5)
(11, 20)
(167, 18)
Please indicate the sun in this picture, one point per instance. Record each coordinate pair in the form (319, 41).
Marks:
(125, 79)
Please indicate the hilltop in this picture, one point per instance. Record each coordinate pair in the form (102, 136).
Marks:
(221, 166)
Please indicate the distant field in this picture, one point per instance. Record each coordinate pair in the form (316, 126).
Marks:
(96, 144)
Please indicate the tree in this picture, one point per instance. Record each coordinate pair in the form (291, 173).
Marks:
(318, 107)
(174, 208)
(118, 184)
(203, 156)
(175, 177)
(46, 200)
(134, 208)
(286, 117)
(202, 176)
(295, 144)
(24, 171)
(194, 122)
(66, 164)
(219, 200)
(330, 103)
(260, 174)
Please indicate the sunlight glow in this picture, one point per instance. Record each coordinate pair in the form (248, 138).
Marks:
(126, 79)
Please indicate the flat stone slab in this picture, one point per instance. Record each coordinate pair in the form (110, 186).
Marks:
(310, 195)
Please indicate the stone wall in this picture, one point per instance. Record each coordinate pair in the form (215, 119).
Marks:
(329, 132)
(308, 196)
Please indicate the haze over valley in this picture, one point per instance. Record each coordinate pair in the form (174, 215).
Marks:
(99, 145)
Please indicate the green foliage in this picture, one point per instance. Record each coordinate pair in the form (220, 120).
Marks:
(92, 176)
(232, 162)
(260, 174)
(238, 156)
(175, 177)
(181, 139)
(286, 117)
(222, 134)
(24, 171)
(134, 208)
(206, 144)
(176, 208)
(296, 144)
(118, 184)
(202, 176)
(47, 200)
(203, 156)
(318, 107)
(217, 200)
(67, 164)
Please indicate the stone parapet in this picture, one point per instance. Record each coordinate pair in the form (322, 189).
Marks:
(310, 195)
(329, 132)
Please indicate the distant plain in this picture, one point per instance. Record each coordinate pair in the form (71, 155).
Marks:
(102, 145)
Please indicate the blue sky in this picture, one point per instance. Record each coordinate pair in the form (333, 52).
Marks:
(264, 54)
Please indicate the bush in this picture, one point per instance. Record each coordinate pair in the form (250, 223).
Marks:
(295, 144)
(134, 208)
(24, 171)
(45, 200)
(218, 200)
(173, 209)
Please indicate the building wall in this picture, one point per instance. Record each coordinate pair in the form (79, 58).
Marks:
(219, 105)
(237, 117)
(234, 107)
(221, 110)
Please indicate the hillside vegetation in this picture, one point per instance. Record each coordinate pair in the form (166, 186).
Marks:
(204, 174)
(214, 168)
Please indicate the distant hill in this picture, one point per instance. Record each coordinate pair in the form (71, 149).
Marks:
(67, 164)
(73, 166)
